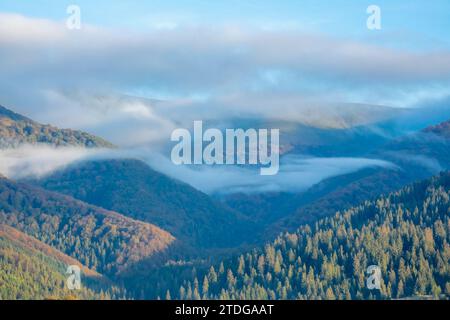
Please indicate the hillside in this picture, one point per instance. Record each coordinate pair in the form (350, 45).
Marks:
(429, 148)
(16, 129)
(29, 269)
(406, 234)
(102, 240)
(27, 242)
(132, 188)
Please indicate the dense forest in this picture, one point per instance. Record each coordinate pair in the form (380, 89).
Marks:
(30, 269)
(16, 129)
(406, 234)
(132, 188)
(102, 240)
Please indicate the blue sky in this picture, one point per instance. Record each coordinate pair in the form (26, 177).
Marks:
(416, 24)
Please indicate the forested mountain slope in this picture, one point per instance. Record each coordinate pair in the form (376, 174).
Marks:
(16, 129)
(406, 234)
(132, 188)
(30, 269)
(102, 240)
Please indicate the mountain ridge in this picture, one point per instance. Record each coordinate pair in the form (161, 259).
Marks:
(16, 129)
(442, 129)
(80, 230)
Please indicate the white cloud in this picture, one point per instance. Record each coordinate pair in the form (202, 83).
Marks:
(40, 160)
(297, 173)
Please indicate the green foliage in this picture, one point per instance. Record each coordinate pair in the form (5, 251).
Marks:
(102, 240)
(16, 129)
(406, 233)
(27, 274)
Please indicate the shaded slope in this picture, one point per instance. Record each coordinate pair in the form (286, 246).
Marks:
(134, 189)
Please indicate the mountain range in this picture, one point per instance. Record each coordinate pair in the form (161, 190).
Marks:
(139, 233)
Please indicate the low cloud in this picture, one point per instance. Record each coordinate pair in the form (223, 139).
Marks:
(297, 173)
(214, 69)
